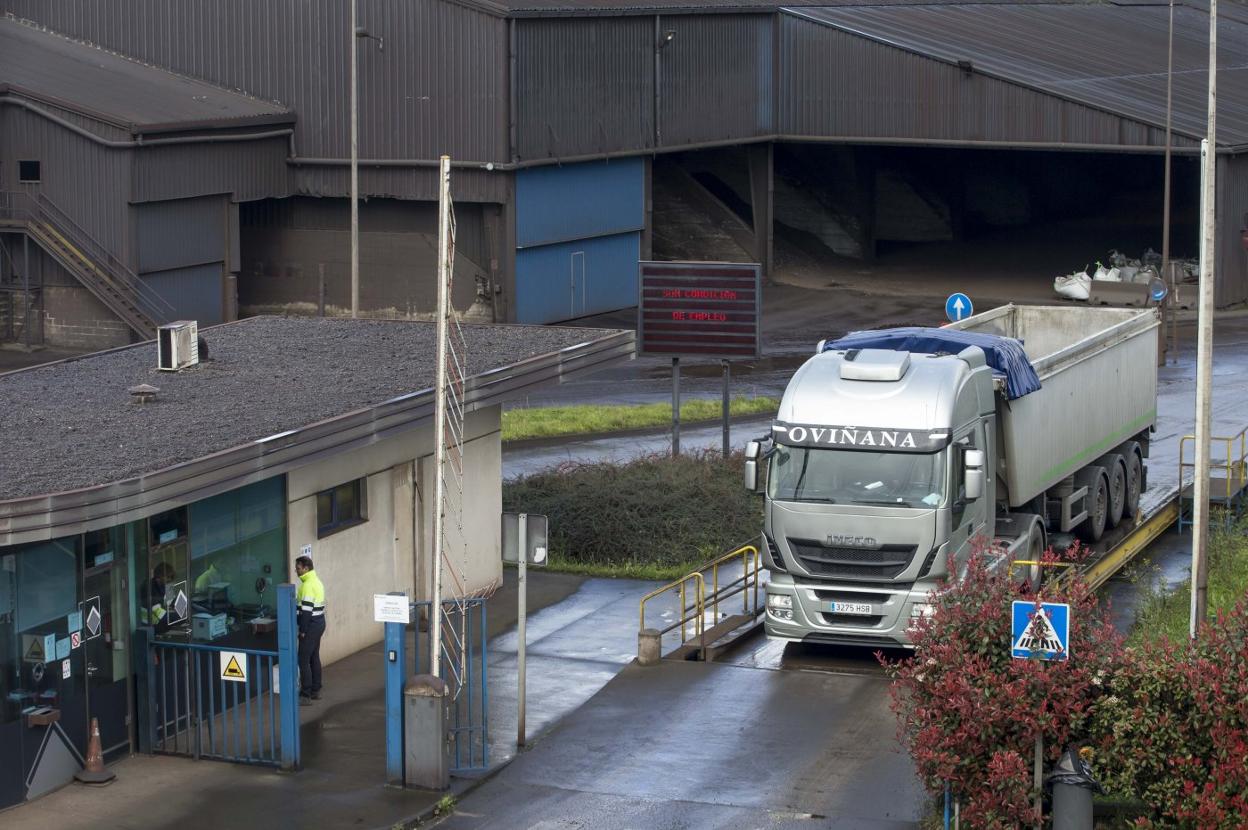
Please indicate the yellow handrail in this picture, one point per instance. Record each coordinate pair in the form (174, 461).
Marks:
(1235, 467)
(679, 584)
(751, 568)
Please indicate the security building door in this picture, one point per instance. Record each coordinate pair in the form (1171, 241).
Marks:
(105, 639)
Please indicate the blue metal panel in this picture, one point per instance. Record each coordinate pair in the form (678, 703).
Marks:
(195, 293)
(577, 201)
(574, 279)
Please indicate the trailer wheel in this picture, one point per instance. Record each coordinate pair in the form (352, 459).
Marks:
(1135, 478)
(1092, 528)
(1117, 492)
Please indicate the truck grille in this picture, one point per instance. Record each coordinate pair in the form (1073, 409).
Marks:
(852, 619)
(852, 563)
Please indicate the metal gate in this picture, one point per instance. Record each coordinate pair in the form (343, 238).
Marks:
(222, 702)
(469, 708)
(468, 718)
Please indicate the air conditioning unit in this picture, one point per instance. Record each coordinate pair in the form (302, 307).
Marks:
(177, 345)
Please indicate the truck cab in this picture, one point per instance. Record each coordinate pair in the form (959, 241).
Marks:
(878, 477)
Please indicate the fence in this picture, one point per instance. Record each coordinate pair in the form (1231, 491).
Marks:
(220, 702)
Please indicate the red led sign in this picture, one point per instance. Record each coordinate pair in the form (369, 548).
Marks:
(703, 309)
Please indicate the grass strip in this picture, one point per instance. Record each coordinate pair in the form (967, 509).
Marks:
(556, 421)
(625, 570)
(1166, 613)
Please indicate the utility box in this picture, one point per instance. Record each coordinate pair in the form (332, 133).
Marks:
(426, 751)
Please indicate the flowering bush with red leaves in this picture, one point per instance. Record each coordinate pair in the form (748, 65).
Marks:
(969, 713)
(1176, 722)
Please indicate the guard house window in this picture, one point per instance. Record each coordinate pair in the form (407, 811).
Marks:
(28, 171)
(340, 507)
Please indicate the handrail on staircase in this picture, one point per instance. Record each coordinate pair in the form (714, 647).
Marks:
(36, 207)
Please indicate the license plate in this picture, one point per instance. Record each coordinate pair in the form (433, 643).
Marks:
(862, 609)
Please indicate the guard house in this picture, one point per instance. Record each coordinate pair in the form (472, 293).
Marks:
(180, 508)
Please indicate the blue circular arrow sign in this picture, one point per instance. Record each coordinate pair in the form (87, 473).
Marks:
(958, 307)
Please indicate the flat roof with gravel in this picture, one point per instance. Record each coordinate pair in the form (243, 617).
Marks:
(73, 424)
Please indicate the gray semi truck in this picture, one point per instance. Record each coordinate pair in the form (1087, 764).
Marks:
(896, 452)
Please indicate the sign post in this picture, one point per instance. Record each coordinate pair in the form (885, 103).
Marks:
(699, 309)
(524, 543)
(1039, 631)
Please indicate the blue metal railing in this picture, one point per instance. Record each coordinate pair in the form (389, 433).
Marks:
(198, 700)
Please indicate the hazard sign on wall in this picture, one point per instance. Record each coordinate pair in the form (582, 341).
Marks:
(234, 666)
(1042, 632)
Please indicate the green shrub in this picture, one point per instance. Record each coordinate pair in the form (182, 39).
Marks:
(655, 516)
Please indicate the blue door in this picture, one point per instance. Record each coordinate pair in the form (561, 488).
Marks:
(578, 239)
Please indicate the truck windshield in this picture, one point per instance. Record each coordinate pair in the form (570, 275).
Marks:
(891, 479)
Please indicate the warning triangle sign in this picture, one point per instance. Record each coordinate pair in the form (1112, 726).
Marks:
(232, 670)
(1040, 636)
(34, 653)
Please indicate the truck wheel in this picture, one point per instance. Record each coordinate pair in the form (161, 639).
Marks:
(1092, 528)
(1117, 492)
(1135, 478)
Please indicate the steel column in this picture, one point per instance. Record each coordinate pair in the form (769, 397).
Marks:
(396, 676)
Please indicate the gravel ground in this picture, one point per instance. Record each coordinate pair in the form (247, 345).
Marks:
(72, 424)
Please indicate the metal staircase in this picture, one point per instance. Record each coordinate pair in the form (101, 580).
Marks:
(109, 279)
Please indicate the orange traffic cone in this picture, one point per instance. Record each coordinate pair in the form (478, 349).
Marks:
(95, 773)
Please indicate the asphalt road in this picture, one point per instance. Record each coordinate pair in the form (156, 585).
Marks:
(711, 745)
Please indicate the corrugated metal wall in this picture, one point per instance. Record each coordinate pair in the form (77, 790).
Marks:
(246, 169)
(180, 233)
(578, 235)
(584, 85)
(716, 78)
(87, 181)
(439, 86)
(194, 292)
(834, 83)
(182, 252)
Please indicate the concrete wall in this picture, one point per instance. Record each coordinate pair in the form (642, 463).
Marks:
(74, 319)
(378, 555)
(285, 242)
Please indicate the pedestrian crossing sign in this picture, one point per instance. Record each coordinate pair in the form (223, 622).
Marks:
(1040, 632)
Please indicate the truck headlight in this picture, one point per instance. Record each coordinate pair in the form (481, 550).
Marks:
(779, 601)
(920, 609)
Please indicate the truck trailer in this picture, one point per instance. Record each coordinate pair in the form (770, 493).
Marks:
(897, 452)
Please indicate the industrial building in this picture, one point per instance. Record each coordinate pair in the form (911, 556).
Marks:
(296, 436)
(184, 160)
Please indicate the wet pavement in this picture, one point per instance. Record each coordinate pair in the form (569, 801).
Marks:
(711, 745)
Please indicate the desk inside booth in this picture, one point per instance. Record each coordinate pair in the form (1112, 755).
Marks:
(222, 559)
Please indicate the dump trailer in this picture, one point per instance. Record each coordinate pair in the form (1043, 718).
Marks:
(897, 452)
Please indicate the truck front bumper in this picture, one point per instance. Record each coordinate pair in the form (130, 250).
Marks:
(804, 612)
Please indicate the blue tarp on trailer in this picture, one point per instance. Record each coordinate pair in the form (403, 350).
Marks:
(1004, 354)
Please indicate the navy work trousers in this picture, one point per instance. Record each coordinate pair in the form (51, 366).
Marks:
(310, 656)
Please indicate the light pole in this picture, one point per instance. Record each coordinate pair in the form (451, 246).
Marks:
(1169, 308)
(355, 176)
(1204, 342)
(356, 33)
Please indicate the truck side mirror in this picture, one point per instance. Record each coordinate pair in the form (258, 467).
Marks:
(752, 451)
(974, 462)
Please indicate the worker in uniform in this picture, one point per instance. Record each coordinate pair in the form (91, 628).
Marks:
(310, 598)
(154, 611)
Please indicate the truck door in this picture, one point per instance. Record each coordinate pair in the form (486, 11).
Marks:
(968, 517)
